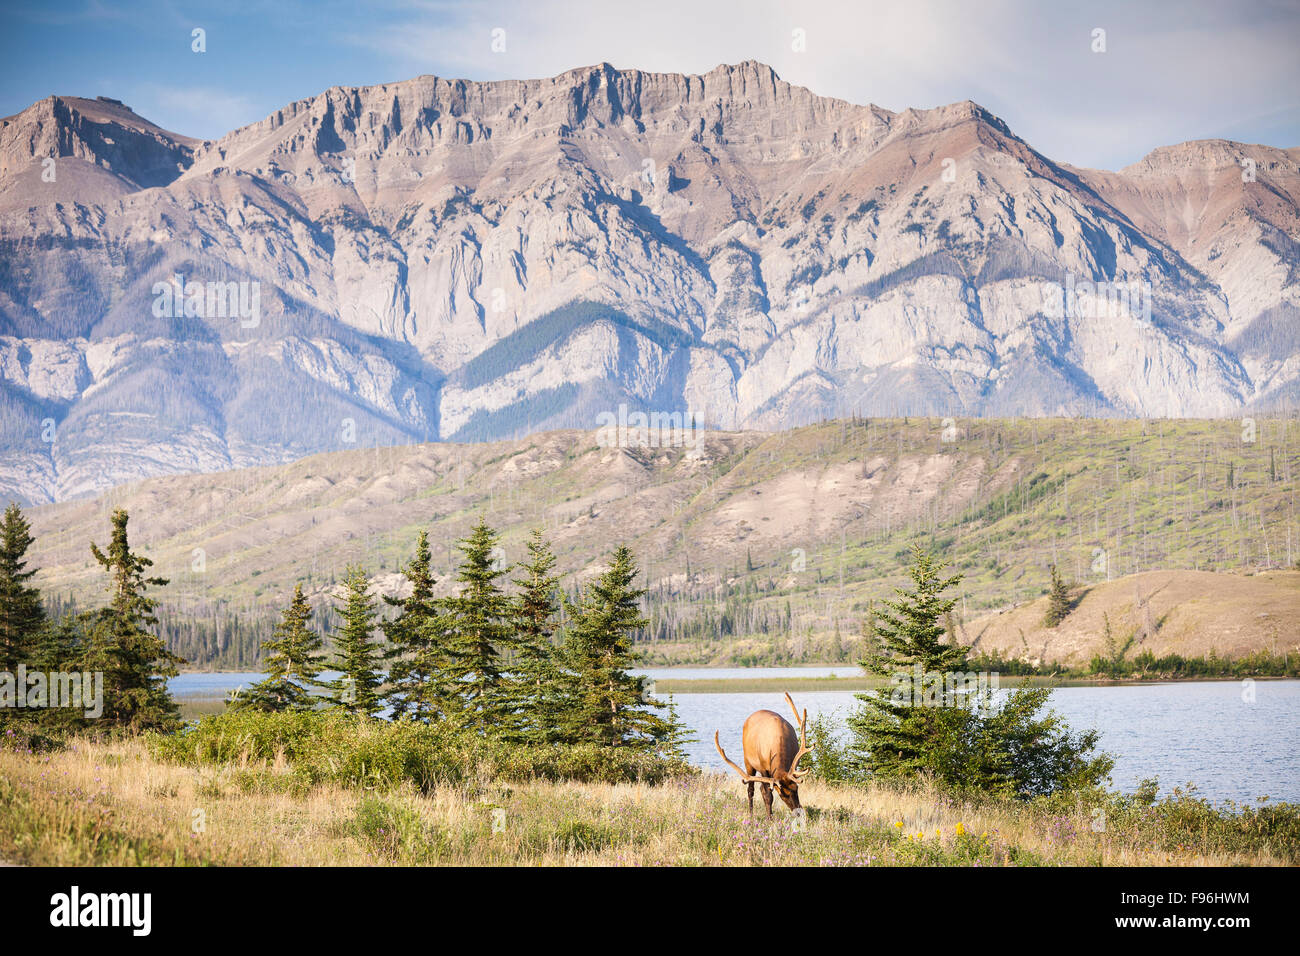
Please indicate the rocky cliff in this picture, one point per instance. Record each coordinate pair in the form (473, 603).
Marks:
(445, 259)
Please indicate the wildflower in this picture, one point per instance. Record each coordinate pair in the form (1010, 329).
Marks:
(961, 830)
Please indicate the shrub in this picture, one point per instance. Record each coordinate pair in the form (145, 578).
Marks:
(395, 832)
(829, 760)
(331, 746)
(1183, 820)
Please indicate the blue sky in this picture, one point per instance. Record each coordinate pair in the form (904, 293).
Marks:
(1170, 71)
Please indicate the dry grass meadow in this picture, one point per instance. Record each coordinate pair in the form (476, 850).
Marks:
(111, 803)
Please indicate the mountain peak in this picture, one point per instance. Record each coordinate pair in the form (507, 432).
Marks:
(103, 132)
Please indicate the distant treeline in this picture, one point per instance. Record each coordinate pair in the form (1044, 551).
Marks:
(1147, 666)
(219, 638)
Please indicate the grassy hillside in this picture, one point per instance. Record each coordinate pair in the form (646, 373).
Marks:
(758, 546)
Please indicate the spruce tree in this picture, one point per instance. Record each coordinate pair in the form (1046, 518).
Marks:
(895, 732)
(417, 659)
(605, 702)
(1059, 604)
(135, 663)
(22, 616)
(907, 730)
(357, 689)
(479, 626)
(290, 661)
(536, 687)
(60, 646)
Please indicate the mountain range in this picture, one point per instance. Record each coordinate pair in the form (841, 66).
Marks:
(447, 260)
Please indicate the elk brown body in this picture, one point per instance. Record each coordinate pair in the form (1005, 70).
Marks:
(771, 751)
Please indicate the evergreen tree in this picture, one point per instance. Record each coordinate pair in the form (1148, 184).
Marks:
(357, 689)
(417, 657)
(135, 663)
(479, 625)
(22, 616)
(1059, 604)
(290, 661)
(895, 733)
(60, 646)
(605, 704)
(536, 685)
(909, 730)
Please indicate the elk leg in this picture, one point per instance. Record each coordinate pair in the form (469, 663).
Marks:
(767, 798)
(750, 788)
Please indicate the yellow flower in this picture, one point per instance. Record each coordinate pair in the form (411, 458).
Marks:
(899, 824)
(961, 830)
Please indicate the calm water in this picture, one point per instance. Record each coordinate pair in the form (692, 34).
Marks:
(1202, 733)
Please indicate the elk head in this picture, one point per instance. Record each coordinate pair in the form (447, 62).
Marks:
(771, 754)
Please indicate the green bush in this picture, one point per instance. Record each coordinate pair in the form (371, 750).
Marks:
(395, 833)
(330, 746)
(1184, 820)
(829, 760)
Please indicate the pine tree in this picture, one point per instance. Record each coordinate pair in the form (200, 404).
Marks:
(357, 689)
(417, 658)
(1059, 604)
(22, 616)
(135, 663)
(605, 704)
(291, 663)
(536, 686)
(479, 627)
(896, 734)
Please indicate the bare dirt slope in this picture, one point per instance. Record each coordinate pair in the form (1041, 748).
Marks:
(1190, 613)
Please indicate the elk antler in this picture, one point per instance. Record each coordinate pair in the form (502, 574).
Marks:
(748, 778)
(803, 739)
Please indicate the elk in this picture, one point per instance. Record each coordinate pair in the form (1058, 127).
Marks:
(771, 753)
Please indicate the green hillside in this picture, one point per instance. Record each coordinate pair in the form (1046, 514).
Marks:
(756, 546)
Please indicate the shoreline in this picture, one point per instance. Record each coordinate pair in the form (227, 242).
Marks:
(747, 685)
(743, 685)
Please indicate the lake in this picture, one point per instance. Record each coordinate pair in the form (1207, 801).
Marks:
(1200, 732)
